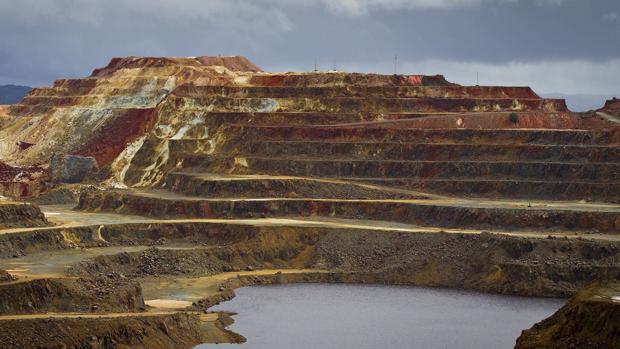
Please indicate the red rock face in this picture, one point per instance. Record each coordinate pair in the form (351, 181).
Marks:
(21, 181)
(612, 106)
(236, 63)
(338, 78)
(99, 115)
(126, 128)
(131, 114)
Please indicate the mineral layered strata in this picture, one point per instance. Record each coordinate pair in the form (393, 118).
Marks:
(165, 183)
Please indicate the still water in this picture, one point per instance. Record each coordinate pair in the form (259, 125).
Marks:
(321, 316)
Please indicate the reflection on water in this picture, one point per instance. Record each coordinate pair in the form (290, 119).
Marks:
(319, 316)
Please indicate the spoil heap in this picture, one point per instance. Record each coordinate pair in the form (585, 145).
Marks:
(99, 115)
(297, 177)
(410, 149)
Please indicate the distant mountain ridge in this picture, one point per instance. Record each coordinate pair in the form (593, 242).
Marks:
(11, 94)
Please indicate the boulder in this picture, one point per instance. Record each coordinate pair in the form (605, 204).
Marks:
(71, 168)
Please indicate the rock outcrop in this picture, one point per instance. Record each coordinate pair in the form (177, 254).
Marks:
(612, 106)
(72, 168)
(98, 295)
(161, 331)
(19, 215)
(590, 320)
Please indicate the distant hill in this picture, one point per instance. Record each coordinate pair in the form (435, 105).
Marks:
(10, 94)
(581, 102)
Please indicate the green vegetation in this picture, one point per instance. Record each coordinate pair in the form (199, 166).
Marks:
(513, 117)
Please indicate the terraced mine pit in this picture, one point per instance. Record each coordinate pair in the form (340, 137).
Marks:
(158, 186)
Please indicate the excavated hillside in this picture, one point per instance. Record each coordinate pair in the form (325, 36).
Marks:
(78, 116)
(186, 178)
(610, 112)
(590, 320)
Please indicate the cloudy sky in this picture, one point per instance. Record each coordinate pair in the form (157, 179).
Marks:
(567, 46)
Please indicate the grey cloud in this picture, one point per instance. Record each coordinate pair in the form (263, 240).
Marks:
(611, 17)
(44, 40)
(569, 76)
(92, 10)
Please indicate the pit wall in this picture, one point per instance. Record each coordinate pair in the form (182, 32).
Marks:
(266, 188)
(165, 331)
(20, 190)
(519, 189)
(420, 213)
(528, 120)
(21, 215)
(473, 92)
(78, 116)
(341, 78)
(483, 262)
(70, 295)
(590, 320)
(458, 136)
(401, 151)
(370, 104)
(13, 245)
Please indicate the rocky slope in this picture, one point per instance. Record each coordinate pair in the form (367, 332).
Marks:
(612, 106)
(17, 215)
(84, 295)
(77, 116)
(191, 171)
(152, 104)
(484, 262)
(119, 331)
(590, 320)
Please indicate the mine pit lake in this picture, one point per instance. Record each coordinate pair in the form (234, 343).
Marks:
(361, 316)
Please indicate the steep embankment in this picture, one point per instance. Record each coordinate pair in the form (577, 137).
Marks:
(18, 215)
(611, 111)
(122, 331)
(590, 320)
(85, 295)
(78, 116)
(485, 262)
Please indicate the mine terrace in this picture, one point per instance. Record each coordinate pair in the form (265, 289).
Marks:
(210, 174)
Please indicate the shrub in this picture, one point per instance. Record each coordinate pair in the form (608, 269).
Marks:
(513, 117)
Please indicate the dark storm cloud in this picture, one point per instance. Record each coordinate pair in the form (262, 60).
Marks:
(559, 46)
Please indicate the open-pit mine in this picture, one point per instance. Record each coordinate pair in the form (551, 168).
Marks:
(137, 198)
